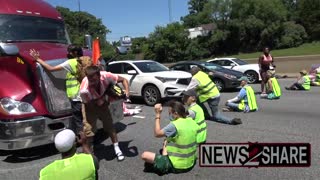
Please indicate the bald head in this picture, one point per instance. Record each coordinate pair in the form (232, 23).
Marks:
(195, 70)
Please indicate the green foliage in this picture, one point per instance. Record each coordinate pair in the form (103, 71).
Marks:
(80, 23)
(309, 16)
(239, 26)
(293, 35)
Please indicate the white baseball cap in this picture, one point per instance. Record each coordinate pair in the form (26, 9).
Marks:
(64, 140)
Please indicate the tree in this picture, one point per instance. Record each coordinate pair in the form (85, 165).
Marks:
(309, 17)
(80, 23)
(168, 44)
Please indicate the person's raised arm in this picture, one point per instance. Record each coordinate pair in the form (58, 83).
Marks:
(158, 132)
(36, 56)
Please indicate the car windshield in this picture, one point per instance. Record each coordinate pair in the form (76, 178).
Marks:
(240, 62)
(211, 66)
(150, 66)
(14, 28)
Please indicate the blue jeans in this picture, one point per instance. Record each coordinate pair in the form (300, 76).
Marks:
(216, 116)
(233, 106)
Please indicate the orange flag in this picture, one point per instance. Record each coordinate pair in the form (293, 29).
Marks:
(95, 51)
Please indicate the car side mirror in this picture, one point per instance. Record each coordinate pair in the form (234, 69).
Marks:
(232, 65)
(132, 72)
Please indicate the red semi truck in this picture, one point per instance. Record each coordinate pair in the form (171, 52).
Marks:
(33, 103)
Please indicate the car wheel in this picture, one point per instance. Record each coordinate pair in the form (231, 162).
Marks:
(151, 95)
(252, 76)
(219, 83)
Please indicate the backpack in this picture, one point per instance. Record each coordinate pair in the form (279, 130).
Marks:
(83, 63)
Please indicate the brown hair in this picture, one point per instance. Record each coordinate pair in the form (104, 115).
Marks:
(177, 107)
(92, 70)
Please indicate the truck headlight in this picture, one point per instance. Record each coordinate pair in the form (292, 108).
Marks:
(162, 79)
(13, 107)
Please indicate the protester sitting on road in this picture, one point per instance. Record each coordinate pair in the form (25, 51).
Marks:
(302, 83)
(245, 101)
(72, 84)
(196, 113)
(208, 93)
(273, 87)
(93, 91)
(179, 148)
(316, 81)
(68, 167)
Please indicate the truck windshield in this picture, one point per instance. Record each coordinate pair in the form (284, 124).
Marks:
(17, 28)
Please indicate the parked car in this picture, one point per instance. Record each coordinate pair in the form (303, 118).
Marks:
(250, 70)
(222, 77)
(151, 80)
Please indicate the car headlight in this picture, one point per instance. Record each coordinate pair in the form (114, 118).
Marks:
(230, 76)
(162, 79)
(14, 107)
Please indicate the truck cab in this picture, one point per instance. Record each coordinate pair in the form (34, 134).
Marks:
(33, 102)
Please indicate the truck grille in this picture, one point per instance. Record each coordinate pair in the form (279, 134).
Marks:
(184, 81)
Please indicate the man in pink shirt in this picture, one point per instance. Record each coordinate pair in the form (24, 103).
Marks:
(93, 90)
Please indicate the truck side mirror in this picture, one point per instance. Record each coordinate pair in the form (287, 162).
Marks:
(9, 49)
(88, 41)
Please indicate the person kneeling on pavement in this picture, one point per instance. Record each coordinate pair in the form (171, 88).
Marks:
(179, 148)
(196, 113)
(245, 101)
(302, 83)
(273, 87)
(68, 167)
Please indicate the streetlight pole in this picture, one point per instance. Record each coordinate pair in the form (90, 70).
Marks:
(170, 13)
(79, 5)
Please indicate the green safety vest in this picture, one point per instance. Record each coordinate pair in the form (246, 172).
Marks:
(276, 87)
(307, 81)
(318, 77)
(200, 120)
(79, 166)
(183, 147)
(251, 100)
(72, 84)
(206, 88)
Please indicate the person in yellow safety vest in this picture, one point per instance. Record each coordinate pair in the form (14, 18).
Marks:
(302, 83)
(72, 85)
(316, 81)
(208, 93)
(68, 167)
(179, 148)
(246, 99)
(196, 113)
(273, 87)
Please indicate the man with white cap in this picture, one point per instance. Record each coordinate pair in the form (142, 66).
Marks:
(72, 165)
(245, 101)
(302, 83)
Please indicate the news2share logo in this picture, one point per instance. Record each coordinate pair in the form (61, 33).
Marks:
(255, 155)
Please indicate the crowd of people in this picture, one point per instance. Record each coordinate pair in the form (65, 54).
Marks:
(88, 91)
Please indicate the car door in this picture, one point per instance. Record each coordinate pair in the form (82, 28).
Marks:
(118, 68)
(226, 63)
(134, 83)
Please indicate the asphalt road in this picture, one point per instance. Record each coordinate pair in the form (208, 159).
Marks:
(293, 118)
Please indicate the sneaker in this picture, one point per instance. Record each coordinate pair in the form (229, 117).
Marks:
(120, 156)
(236, 121)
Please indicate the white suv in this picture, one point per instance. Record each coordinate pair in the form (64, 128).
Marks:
(150, 79)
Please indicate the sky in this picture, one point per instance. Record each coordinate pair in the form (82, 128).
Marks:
(133, 18)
